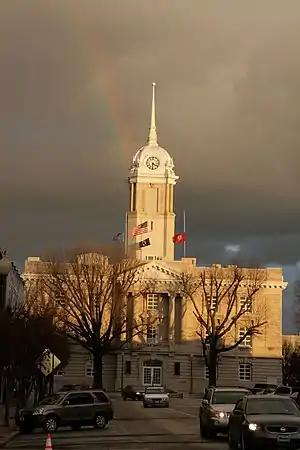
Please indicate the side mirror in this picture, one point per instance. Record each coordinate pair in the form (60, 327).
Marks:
(66, 403)
(205, 402)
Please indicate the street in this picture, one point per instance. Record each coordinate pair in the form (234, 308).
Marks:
(134, 427)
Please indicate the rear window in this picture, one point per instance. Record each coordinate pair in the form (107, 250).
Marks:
(228, 397)
(155, 391)
(283, 390)
(101, 397)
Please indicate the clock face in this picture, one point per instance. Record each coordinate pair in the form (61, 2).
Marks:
(152, 163)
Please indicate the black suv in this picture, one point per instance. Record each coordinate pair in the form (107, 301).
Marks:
(72, 408)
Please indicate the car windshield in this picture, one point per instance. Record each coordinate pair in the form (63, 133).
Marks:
(138, 389)
(272, 406)
(227, 397)
(53, 399)
(155, 391)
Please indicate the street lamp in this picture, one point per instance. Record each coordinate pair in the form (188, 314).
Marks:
(5, 268)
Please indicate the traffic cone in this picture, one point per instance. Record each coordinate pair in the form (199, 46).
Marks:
(48, 445)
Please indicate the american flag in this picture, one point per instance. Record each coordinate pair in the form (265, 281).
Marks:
(140, 229)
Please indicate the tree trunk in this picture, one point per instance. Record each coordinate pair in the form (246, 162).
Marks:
(98, 371)
(212, 367)
(7, 401)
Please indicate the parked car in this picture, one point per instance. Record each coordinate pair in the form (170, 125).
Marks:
(72, 408)
(296, 397)
(264, 421)
(215, 408)
(173, 394)
(133, 392)
(73, 387)
(261, 388)
(283, 390)
(156, 396)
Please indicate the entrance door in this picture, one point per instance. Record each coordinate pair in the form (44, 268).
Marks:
(152, 376)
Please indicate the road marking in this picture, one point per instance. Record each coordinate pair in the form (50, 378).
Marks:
(181, 412)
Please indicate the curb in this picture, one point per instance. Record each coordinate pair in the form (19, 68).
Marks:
(9, 437)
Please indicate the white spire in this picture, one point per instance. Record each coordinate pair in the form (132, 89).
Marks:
(152, 139)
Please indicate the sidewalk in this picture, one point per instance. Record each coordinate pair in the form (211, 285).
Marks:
(6, 435)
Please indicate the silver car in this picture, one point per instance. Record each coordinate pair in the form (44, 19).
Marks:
(156, 396)
(215, 409)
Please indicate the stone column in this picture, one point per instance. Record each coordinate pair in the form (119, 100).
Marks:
(178, 318)
(130, 316)
(171, 318)
(164, 327)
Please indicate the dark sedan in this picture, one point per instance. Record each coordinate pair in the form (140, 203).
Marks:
(265, 421)
(133, 392)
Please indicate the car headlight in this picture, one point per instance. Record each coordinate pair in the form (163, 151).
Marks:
(253, 426)
(138, 393)
(38, 412)
(221, 414)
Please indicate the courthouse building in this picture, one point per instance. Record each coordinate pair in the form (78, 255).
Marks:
(170, 352)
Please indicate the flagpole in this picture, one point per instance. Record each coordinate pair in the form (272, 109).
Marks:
(126, 234)
(184, 230)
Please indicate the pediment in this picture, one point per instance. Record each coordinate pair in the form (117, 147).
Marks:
(158, 270)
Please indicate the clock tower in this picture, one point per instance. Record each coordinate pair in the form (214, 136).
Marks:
(150, 220)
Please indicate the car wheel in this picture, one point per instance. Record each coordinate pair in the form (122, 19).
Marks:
(145, 406)
(124, 398)
(51, 424)
(100, 421)
(76, 427)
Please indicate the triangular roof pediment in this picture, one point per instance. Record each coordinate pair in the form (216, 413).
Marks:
(158, 270)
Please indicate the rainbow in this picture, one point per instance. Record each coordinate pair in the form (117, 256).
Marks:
(103, 82)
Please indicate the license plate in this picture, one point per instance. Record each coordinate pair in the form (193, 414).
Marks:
(284, 439)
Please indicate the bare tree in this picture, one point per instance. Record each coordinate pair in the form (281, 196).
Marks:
(223, 298)
(290, 363)
(93, 292)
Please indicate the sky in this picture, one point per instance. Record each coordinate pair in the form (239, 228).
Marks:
(75, 93)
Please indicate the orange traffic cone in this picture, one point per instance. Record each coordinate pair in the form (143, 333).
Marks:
(48, 445)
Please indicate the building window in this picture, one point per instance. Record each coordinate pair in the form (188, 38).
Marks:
(152, 302)
(177, 368)
(245, 372)
(152, 335)
(247, 342)
(153, 258)
(245, 304)
(212, 302)
(128, 367)
(151, 225)
(89, 369)
(206, 373)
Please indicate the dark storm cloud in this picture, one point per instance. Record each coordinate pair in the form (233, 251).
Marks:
(74, 107)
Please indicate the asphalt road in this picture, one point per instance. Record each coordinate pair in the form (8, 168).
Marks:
(134, 427)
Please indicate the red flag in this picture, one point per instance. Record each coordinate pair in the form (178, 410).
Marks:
(180, 237)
